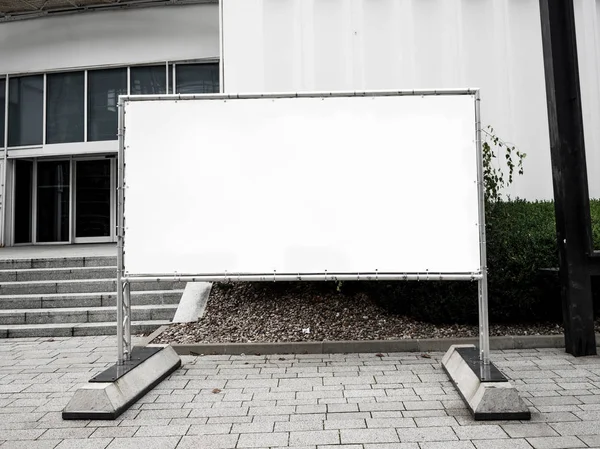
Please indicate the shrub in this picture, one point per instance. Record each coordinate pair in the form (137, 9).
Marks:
(521, 240)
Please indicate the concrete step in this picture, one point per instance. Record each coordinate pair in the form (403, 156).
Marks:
(75, 329)
(64, 262)
(75, 315)
(95, 299)
(81, 286)
(57, 274)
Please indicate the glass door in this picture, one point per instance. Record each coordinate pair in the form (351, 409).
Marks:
(23, 204)
(94, 200)
(53, 201)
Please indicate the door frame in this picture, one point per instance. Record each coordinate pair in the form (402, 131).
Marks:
(34, 201)
(72, 196)
(113, 188)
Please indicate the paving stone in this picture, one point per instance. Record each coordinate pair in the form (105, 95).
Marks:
(21, 434)
(514, 443)
(263, 439)
(337, 408)
(351, 436)
(114, 432)
(257, 427)
(390, 422)
(40, 444)
(556, 442)
(381, 406)
(345, 424)
(391, 446)
(423, 405)
(96, 443)
(529, 430)
(591, 440)
(317, 437)
(577, 428)
(424, 434)
(293, 426)
(76, 433)
(420, 413)
(145, 443)
(161, 431)
(438, 421)
(447, 445)
(480, 432)
(209, 429)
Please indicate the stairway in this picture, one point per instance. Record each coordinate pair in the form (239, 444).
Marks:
(76, 296)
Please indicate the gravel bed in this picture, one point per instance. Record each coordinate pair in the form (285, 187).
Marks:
(284, 312)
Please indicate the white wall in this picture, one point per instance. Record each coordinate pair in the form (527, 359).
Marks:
(302, 45)
(110, 37)
(587, 18)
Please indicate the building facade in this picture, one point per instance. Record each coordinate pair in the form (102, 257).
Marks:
(61, 76)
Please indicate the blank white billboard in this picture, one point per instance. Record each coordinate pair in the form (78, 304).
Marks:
(301, 185)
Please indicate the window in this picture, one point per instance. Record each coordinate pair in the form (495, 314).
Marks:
(64, 107)
(25, 110)
(2, 109)
(148, 80)
(197, 78)
(104, 88)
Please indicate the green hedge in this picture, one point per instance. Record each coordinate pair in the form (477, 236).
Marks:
(521, 240)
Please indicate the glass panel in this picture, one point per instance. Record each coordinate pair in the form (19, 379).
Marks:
(23, 200)
(92, 198)
(64, 107)
(25, 110)
(148, 80)
(171, 75)
(2, 109)
(104, 88)
(197, 78)
(53, 201)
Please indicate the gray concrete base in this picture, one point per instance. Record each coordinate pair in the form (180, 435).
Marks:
(107, 400)
(486, 400)
(193, 302)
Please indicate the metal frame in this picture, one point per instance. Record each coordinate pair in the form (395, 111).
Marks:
(124, 279)
(48, 9)
(4, 143)
(73, 221)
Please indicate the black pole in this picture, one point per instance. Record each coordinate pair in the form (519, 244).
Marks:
(569, 174)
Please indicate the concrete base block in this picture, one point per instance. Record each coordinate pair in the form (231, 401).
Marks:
(193, 302)
(107, 400)
(487, 400)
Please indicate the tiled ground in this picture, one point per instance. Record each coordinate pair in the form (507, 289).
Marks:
(310, 401)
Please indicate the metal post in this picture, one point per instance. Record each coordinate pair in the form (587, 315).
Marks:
(484, 334)
(127, 321)
(4, 144)
(121, 357)
(569, 174)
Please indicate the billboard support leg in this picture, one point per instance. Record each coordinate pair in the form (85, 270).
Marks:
(138, 370)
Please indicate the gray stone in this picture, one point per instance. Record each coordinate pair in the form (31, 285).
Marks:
(486, 400)
(193, 302)
(102, 399)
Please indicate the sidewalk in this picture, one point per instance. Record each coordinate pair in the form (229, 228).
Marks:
(358, 401)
